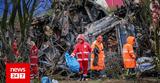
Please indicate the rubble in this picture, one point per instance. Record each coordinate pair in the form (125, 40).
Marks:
(56, 34)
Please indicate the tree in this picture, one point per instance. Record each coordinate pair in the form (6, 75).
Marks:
(22, 13)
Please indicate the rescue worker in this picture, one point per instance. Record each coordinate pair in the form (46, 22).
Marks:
(97, 56)
(33, 60)
(82, 50)
(14, 48)
(129, 58)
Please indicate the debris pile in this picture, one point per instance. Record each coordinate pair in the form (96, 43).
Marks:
(56, 34)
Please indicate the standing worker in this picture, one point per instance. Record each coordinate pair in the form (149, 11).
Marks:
(82, 50)
(33, 60)
(129, 58)
(97, 56)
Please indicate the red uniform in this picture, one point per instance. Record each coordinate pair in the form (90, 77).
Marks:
(82, 50)
(15, 49)
(34, 61)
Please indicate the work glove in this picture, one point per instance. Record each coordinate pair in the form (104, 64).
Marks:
(72, 55)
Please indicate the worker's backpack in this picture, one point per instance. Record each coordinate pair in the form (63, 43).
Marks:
(72, 63)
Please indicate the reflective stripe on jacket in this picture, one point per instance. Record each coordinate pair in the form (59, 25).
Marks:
(34, 55)
(129, 57)
(101, 56)
(34, 61)
(82, 50)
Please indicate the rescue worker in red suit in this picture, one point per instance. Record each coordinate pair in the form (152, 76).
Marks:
(33, 60)
(82, 50)
(14, 48)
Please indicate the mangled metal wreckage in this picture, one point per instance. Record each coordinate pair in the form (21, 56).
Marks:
(119, 29)
(114, 30)
(106, 25)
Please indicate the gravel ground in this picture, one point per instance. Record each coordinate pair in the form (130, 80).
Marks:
(144, 80)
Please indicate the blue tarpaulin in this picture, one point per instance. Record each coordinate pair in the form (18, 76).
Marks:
(72, 63)
(46, 79)
(42, 7)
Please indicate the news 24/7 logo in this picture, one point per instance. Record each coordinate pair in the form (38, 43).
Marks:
(18, 72)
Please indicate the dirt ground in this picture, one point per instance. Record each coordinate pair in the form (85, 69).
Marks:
(144, 80)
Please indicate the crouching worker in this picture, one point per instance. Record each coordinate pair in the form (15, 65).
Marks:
(129, 58)
(97, 57)
(82, 50)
